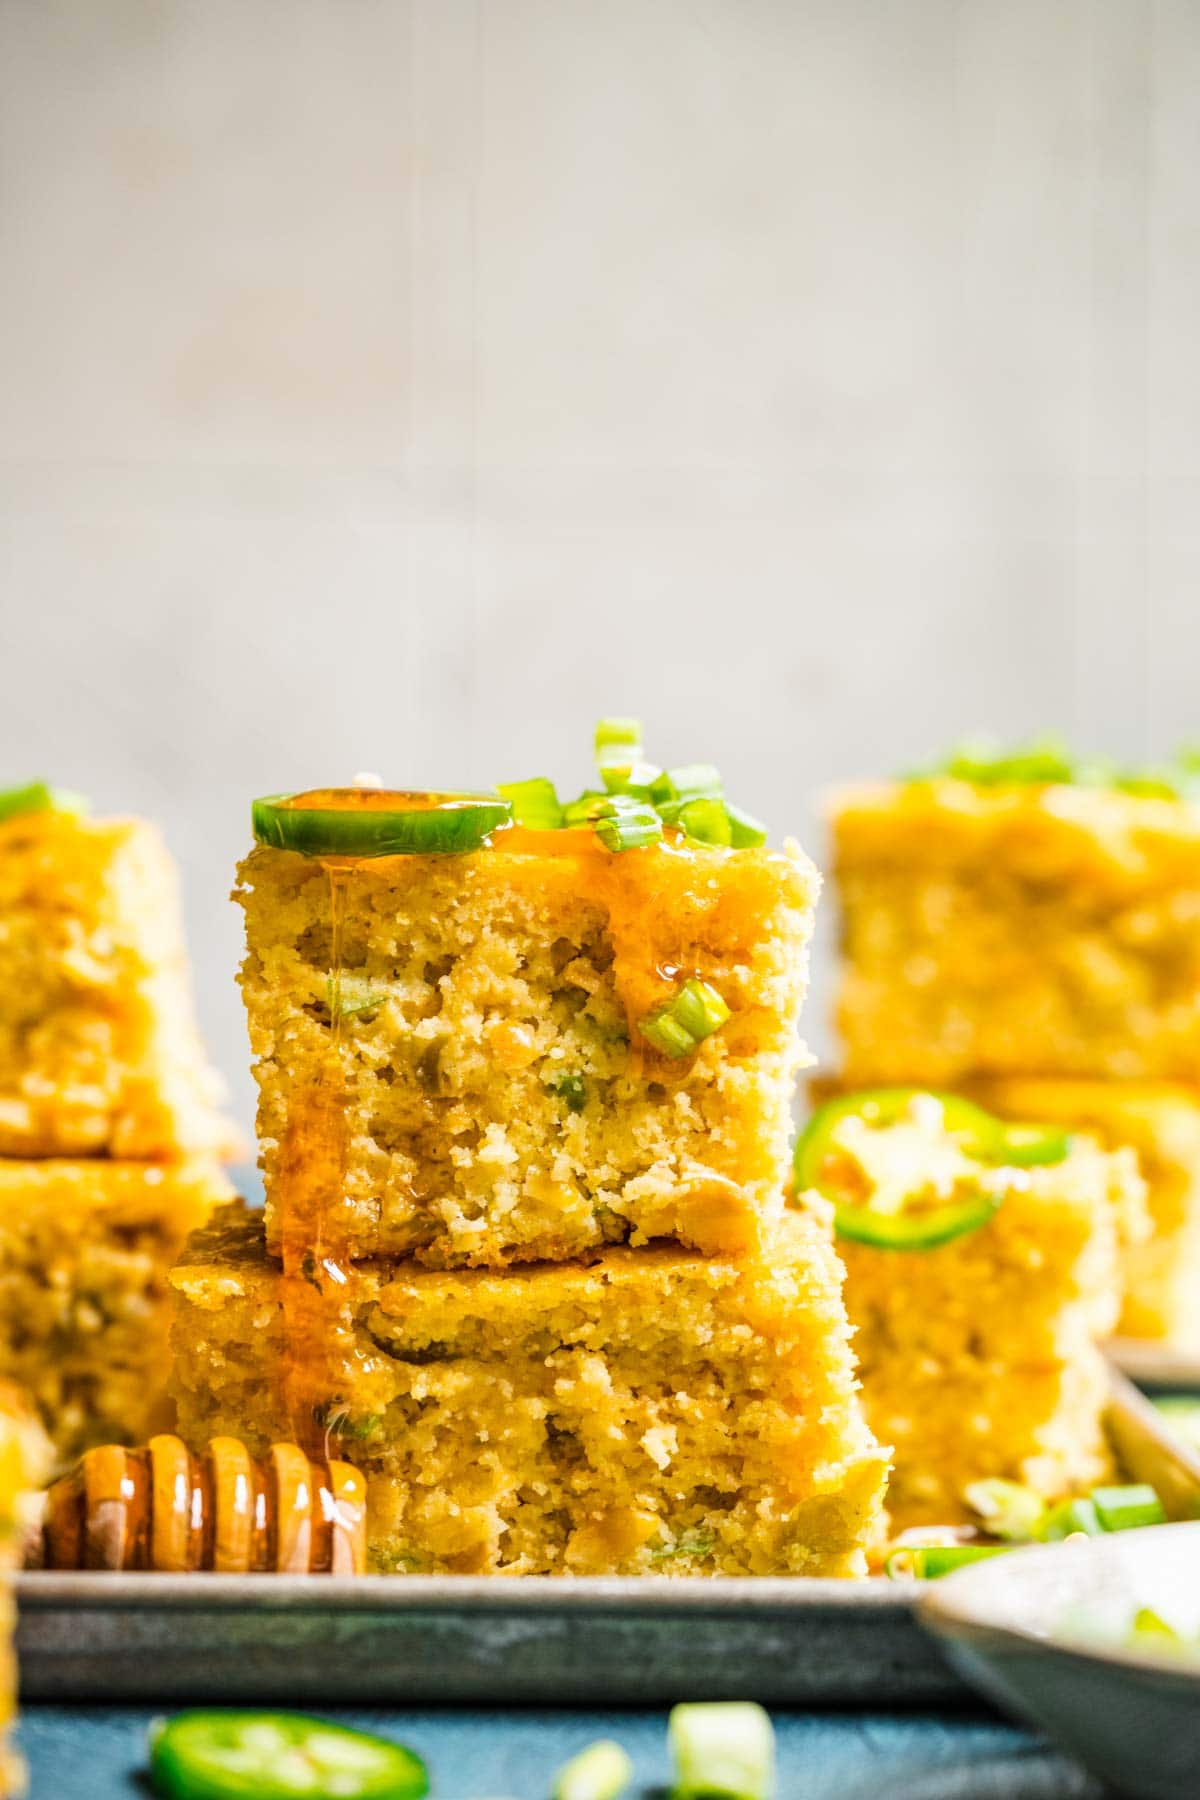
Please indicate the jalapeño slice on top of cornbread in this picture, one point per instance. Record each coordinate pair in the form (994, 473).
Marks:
(1022, 915)
(977, 1349)
(99, 1052)
(643, 1411)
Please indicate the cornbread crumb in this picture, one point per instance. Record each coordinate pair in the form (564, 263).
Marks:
(84, 1252)
(1017, 930)
(979, 1358)
(98, 1044)
(649, 1410)
(501, 1104)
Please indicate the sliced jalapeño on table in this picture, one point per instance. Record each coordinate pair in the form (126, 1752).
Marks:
(227, 1755)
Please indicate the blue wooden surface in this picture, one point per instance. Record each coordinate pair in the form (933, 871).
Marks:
(98, 1753)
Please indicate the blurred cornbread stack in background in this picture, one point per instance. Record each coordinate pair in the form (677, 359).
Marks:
(524, 1074)
(982, 1268)
(1027, 927)
(25, 1458)
(110, 1132)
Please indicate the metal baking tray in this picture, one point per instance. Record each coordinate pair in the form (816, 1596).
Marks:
(392, 1639)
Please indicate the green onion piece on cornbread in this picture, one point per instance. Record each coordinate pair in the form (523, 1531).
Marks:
(39, 796)
(691, 1015)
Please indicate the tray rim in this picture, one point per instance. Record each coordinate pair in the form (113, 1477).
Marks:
(42, 1590)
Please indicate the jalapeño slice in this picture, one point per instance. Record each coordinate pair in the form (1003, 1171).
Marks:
(976, 1133)
(377, 822)
(227, 1755)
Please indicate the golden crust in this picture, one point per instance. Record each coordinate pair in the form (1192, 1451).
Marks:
(649, 1410)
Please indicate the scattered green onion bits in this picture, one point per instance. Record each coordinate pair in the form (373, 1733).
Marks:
(375, 822)
(693, 1013)
(1047, 762)
(723, 1750)
(601, 1772)
(227, 1755)
(39, 797)
(1011, 1514)
(636, 799)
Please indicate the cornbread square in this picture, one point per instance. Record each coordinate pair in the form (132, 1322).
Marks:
(98, 1044)
(501, 1104)
(1160, 1122)
(979, 1358)
(84, 1317)
(645, 1411)
(24, 1465)
(1017, 930)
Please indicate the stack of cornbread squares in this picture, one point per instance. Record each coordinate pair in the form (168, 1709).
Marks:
(109, 1129)
(1033, 942)
(524, 1119)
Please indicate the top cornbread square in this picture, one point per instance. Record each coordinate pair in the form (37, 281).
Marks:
(1017, 930)
(98, 1045)
(501, 1104)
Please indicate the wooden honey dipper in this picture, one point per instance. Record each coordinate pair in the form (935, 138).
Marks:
(164, 1509)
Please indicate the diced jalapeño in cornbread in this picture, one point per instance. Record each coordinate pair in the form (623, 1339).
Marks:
(544, 1037)
(1019, 917)
(648, 1410)
(85, 1247)
(98, 1045)
(977, 1345)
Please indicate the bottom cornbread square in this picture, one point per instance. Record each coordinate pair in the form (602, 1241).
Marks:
(979, 1358)
(648, 1411)
(1160, 1121)
(84, 1252)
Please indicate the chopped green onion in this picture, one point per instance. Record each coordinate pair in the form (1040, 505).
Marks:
(689, 1543)
(600, 1772)
(745, 831)
(375, 822)
(677, 788)
(619, 755)
(217, 1754)
(535, 804)
(590, 805)
(706, 822)
(1149, 1624)
(628, 824)
(1127, 1508)
(1006, 1509)
(570, 1089)
(347, 994)
(722, 1748)
(1068, 1518)
(929, 1562)
(38, 797)
(690, 1016)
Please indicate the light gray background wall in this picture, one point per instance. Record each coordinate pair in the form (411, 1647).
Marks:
(400, 383)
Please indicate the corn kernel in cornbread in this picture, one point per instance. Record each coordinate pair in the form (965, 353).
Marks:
(98, 1044)
(1161, 1122)
(84, 1252)
(498, 1102)
(24, 1466)
(979, 1357)
(650, 1410)
(1017, 930)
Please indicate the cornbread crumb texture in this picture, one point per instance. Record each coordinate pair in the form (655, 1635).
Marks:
(498, 1109)
(979, 1358)
(1016, 931)
(84, 1304)
(98, 1045)
(1160, 1122)
(651, 1410)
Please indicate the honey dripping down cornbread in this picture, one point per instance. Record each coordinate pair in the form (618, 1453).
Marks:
(648, 1410)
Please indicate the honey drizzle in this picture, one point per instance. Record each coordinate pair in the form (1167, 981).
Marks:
(313, 1214)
